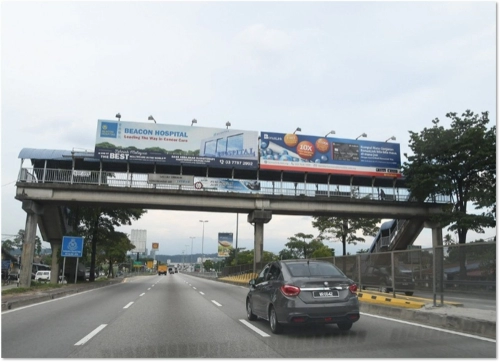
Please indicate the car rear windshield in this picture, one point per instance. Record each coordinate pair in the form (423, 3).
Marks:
(314, 269)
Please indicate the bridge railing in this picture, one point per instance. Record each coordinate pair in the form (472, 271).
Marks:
(140, 180)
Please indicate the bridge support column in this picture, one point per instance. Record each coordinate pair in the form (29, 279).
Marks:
(258, 218)
(32, 210)
(438, 259)
(56, 246)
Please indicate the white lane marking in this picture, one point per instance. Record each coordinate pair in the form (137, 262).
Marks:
(430, 327)
(194, 287)
(149, 288)
(217, 304)
(255, 329)
(202, 293)
(142, 294)
(90, 335)
(128, 305)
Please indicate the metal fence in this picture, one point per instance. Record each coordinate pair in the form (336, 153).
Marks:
(140, 180)
(467, 268)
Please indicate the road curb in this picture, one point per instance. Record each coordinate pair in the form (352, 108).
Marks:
(454, 323)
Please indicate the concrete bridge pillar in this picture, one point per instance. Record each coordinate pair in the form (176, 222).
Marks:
(32, 210)
(56, 246)
(258, 218)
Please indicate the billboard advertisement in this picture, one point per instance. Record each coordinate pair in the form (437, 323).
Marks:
(302, 153)
(229, 185)
(176, 145)
(138, 238)
(225, 244)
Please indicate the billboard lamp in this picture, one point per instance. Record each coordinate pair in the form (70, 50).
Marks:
(392, 138)
(194, 121)
(331, 132)
(119, 116)
(361, 135)
(297, 130)
(150, 118)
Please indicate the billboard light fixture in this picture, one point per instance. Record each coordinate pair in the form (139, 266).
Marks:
(193, 121)
(362, 135)
(297, 130)
(392, 138)
(150, 118)
(331, 132)
(119, 116)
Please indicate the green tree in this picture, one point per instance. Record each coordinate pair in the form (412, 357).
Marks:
(8, 245)
(458, 162)
(93, 221)
(113, 247)
(19, 240)
(299, 247)
(345, 229)
(208, 265)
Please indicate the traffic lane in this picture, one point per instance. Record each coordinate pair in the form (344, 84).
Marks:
(173, 320)
(51, 327)
(385, 337)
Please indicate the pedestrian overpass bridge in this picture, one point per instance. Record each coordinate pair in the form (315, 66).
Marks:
(59, 180)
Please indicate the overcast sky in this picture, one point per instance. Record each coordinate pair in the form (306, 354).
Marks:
(383, 68)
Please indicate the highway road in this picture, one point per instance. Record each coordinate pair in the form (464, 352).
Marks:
(182, 316)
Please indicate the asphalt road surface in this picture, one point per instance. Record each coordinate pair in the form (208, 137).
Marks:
(181, 316)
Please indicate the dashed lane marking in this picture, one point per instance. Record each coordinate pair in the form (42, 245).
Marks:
(90, 335)
(128, 305)
(255, 329)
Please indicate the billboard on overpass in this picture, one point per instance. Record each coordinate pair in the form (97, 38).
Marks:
(176, 145)
(302, 153)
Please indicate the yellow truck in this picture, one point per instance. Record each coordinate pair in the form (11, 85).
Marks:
(162, 269)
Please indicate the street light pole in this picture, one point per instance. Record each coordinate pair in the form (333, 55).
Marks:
(191, 256)
(202, 240)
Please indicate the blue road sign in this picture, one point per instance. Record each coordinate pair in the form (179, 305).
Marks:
(72, 246)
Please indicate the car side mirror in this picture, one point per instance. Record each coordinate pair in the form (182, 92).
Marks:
(251, 282)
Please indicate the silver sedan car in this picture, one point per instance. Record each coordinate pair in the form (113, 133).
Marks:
(298, 292)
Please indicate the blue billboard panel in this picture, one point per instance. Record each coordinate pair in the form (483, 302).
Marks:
(302, 153)
(72, 246)
(176, 145)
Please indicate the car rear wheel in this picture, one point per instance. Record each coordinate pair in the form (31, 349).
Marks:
(276, 328)
(344, 326)
(409, 294)
(250, 315)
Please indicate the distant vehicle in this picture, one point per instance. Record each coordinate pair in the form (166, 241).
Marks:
(171, 270)
(162, 269)
(36, 267)
(380, 277)
(176, 270)
(42, 276)
(298, 292)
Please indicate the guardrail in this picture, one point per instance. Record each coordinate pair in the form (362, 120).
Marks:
(140, 180)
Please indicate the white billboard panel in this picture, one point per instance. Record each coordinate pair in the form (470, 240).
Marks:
(138, 238)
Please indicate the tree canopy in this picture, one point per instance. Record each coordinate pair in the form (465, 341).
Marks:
(345, 229)
(459, 162)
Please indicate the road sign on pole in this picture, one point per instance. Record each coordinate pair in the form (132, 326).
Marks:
(72, 246)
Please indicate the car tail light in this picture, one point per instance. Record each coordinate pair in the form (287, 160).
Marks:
(290, 290)
(353, 288)
(354, 317)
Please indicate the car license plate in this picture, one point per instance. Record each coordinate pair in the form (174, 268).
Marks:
(325, 293)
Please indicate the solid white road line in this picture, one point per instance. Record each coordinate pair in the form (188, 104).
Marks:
(217, 304)
(128, 305)
(255, 329)
(429, 327)
(90, 335)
